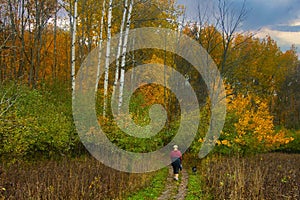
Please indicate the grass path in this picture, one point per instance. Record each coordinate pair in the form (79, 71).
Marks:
(173, 189)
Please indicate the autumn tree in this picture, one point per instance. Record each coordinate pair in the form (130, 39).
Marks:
(249, 126)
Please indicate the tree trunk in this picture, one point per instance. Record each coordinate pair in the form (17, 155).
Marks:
(54, 70)
(120, 47)
(74, 23)
(13, 58)
(107, 60)
(229, 24)
(22, 54)
(123, 62)
(100, 45)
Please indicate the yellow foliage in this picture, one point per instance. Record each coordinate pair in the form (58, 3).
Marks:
(250, 124)
(254, 119)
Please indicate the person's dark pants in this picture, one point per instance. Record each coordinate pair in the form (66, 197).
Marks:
(176, 166)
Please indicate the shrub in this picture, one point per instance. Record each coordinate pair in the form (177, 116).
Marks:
(33, 125)
(249, 127)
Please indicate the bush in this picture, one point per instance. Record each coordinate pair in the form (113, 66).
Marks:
(33, 125)
(293, 146)
(249, 128)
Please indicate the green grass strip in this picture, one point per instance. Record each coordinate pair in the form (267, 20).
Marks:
(195, 186)
(155, 188)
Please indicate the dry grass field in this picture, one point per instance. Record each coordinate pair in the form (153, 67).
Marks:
(264, 176)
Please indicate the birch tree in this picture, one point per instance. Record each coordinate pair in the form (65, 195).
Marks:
(123, 59)
(73, 59)
(120, 47)
(100, 45)
(107, 57)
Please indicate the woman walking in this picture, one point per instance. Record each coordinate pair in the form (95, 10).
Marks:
(176, 158)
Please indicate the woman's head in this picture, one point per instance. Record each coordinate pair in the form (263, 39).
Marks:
(175, 147)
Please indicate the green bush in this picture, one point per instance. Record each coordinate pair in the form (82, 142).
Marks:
(293, 146)
(34, 124)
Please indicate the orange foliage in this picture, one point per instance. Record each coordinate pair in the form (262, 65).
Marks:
(255, 120)
(253, 127)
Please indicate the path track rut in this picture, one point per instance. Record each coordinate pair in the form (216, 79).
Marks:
(175, 190)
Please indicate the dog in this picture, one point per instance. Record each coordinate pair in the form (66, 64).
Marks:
(194, 169)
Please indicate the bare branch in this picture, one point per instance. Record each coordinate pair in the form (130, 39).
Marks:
(8, 99)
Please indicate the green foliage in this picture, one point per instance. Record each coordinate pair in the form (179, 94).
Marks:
(140, 116)
(154, 189)
(35, 125)
(293, 146)
(195, 185)
(135, 144)
(202, 129)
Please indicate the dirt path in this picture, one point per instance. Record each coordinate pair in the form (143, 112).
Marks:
(175, 190)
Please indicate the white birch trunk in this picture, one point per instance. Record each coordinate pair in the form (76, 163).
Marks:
(119, 47)
(107, 60)
(73, 48)
(123, 62)
(100, 46)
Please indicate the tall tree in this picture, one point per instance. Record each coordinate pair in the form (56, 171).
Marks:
(120, 47)
(54, 70)
(73, 31)
(107, 57)
(100, 45)
(229, 21)
(123, 60)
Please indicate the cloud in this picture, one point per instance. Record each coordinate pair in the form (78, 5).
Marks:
(285, 35)
(270, 12)
(284, 39)
(278, 18)
(287, 28)
(260, 12)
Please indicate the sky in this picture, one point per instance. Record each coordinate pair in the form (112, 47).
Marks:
(278, 18)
